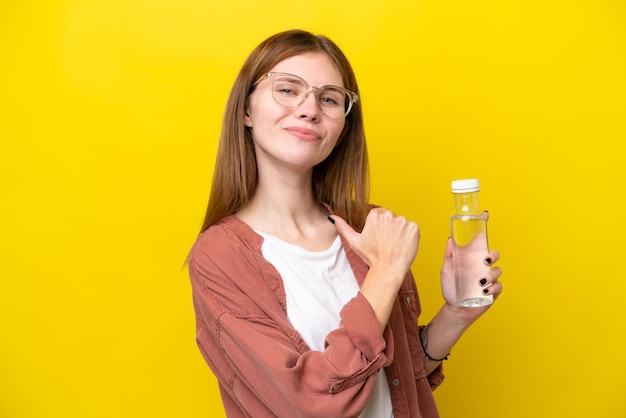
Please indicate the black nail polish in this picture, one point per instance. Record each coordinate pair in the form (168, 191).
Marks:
(483, 282)
(488, 260)
(331, 220)
(485, 291)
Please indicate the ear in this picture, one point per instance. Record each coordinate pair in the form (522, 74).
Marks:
(247, 121)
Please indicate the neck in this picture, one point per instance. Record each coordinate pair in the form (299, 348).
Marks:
(286, 208)
(287, 199)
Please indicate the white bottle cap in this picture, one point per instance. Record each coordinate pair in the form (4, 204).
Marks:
(465, 186)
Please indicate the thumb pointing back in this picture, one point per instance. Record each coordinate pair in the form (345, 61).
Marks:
(345, 230)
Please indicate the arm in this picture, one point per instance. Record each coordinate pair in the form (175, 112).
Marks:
(260, 360)
(388, 244)
(449, 324)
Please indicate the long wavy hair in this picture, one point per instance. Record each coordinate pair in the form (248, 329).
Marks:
(341, 180)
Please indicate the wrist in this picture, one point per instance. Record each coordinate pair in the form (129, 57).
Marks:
(456, 316)
(423, 332)
(387, 274)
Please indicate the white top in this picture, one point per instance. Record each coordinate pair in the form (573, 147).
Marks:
(317, 286)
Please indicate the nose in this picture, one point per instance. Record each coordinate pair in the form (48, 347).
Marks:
(309, 107)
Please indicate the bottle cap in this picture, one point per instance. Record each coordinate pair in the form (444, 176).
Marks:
(465, 186)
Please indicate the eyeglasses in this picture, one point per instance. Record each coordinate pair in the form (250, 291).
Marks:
(291, 91)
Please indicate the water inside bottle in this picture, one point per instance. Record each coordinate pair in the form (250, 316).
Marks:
(470, 235)
(466, 227)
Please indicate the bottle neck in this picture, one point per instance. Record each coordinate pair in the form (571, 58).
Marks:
(466, 203)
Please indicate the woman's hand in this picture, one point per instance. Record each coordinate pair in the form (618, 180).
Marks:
(388, 244)
(488, 282)
(387, 241)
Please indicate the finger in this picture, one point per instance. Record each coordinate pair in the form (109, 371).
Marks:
(486, 215)
(495, 289)
(495, 273)
(345, 230)
(447, 255)
(378, 214)
(380, 211)
(449, 249)
(491, 277)
(492, 257)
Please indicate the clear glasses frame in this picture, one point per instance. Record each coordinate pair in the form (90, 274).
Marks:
(292, 99)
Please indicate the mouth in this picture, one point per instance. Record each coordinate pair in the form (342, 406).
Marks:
(304, 133)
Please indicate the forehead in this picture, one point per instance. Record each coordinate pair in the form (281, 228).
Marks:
(316, 68)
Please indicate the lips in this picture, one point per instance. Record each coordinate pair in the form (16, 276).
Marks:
(304, 133)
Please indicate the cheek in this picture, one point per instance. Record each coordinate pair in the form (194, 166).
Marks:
(261, 113)
(341, 130)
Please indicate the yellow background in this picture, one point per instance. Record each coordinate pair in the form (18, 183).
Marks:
(109, 117)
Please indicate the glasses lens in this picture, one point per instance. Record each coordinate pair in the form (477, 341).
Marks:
(290, 91)
(334, 101)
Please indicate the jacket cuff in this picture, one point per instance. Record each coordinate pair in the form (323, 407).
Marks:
(435, 379)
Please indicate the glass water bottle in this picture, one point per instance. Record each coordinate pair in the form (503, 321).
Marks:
(469, 231)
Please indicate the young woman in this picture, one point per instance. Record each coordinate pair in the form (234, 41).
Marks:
(305, 303)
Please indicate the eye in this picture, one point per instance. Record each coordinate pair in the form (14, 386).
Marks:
(285, 88)
(330, 96)
(288, 87)
(331, 101)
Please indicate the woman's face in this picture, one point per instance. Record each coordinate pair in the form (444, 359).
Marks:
(294, 138)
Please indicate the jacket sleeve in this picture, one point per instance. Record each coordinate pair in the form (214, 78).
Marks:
(260, 360)
(436, 377)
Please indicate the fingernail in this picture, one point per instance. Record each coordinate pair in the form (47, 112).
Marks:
(488, 260)
(483, 282)
(485, 291)
(331, 220)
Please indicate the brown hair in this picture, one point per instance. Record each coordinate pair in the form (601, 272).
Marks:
(342, 180)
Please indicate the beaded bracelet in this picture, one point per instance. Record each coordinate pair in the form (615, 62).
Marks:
(435, 359)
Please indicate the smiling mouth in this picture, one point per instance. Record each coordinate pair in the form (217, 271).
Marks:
(304, 133)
